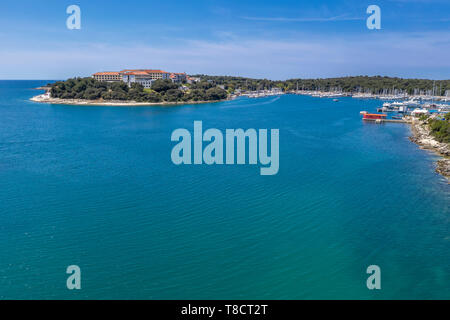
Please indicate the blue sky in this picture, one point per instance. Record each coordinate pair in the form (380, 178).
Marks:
(264, 39)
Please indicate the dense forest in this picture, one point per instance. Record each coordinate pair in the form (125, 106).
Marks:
(161, 91)
(377, 84)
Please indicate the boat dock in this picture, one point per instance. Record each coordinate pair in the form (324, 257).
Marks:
(386, 120)
(380, 118)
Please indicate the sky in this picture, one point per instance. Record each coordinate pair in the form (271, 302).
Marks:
(276, 40)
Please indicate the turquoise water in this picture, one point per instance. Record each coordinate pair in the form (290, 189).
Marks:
(95, 187)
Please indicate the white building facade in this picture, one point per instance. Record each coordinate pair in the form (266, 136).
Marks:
(145, 77)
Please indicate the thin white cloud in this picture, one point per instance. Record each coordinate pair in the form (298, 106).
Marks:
(316, 19)
(396, 54)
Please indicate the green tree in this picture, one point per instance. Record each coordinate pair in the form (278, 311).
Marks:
(216, 94)
(161, 85)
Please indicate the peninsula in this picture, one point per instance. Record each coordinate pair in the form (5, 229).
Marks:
(132, 88)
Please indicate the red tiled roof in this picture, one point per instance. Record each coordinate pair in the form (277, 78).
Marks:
(143, 71)
(136, 73)
(108, 73)
(156, 71)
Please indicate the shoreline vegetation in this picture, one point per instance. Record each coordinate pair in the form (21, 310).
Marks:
(112, 103)
(434, 135)
(375, 85)
(88, 91)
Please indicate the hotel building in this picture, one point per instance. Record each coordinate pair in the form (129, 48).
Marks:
(178, 77)
(145, 77)
(107, 76)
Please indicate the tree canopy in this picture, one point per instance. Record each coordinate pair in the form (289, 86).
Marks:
(161, 91)
(376, 84)
(440, 129)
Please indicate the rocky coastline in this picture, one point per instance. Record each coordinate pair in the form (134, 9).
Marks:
(421, 135)
(45, 98)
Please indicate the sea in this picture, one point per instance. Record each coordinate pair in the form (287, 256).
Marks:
(95, 187)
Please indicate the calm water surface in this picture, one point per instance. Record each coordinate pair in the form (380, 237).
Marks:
(95, 187)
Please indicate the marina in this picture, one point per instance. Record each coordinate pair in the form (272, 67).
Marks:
(396, 108)
(403, 112)
(262, 93)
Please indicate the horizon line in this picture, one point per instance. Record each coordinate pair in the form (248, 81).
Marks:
(246, 77)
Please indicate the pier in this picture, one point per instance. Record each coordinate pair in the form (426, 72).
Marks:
(386, 120)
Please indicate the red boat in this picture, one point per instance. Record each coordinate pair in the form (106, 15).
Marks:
(374, 116)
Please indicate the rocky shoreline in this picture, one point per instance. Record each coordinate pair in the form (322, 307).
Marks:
(45, 98)
(422, 137)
